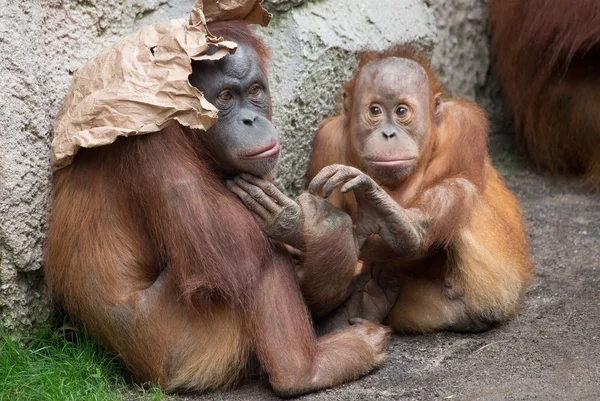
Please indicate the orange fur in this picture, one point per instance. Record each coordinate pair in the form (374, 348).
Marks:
(474, 267)
(547, 54)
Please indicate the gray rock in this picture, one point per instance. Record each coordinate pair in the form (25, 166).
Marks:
(281, 5)
(313, 43)
(462, 55)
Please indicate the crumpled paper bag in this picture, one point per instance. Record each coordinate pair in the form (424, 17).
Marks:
(140, 84)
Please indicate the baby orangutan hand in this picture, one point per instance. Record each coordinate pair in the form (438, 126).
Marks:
(377, 212)
(279, 216)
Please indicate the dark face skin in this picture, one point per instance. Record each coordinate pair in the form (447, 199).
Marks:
(243, 139)
(391, 117)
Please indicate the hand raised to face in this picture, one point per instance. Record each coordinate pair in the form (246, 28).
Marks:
(279, 216)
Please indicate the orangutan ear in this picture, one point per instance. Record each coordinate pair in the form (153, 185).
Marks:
(345, 102)
(439, 107)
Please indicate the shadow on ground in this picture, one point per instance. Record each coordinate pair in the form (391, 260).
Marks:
(551, 351)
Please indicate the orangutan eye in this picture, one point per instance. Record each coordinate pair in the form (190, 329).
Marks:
(402, 111)
(255, 89)
(225, 96)
(375, 110)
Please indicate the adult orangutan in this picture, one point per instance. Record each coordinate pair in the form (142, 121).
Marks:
(150, 251)
(547, 55)
(440, 236)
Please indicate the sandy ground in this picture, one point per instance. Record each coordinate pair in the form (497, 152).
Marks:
(551, 351)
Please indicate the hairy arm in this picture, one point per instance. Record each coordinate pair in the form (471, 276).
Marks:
(455, 176)
(329, 147)
(208, 243)
(330, 254)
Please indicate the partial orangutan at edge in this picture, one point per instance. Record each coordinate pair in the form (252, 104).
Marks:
(155, 257)
(547, 55)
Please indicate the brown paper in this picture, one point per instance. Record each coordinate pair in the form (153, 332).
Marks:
(250, 11)
(140, 84)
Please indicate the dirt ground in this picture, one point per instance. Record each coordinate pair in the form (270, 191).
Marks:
(551, 351)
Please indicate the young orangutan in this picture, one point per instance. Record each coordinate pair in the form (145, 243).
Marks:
(430, 210)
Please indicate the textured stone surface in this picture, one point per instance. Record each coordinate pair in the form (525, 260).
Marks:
(462, 56)
(313, 43)
(282, 5)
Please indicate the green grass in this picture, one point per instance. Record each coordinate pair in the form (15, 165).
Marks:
(50, 367)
